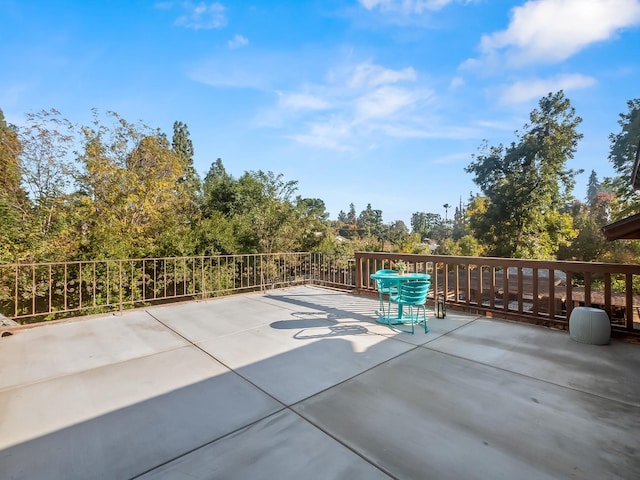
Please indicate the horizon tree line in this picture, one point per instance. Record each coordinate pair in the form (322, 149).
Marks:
(115, 189)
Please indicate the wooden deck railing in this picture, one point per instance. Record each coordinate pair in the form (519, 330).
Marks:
(534, 291)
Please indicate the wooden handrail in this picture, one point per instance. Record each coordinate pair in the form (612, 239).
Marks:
(521, 289)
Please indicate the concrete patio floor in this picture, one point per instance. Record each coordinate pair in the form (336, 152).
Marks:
(302, 383)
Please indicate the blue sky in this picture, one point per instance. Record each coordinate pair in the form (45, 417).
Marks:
(360, 101)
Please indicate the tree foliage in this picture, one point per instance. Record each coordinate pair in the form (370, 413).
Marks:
(129, 191)
(593, 187)
(13, 199)
(183, 147)
(352, 219)
(135, 201)
(430, 226)
(398, 234)
(588, 218)
(623, 149)
(527, 185)
(370, 222)
(257, 213)
(10, 149)
(268, 213)
(313, 220)
(48, 172)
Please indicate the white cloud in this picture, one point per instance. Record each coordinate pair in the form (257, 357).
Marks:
(242, 68)
(423, 127)
(357, 107)
(523, 91)
(369, 75)
(238, 41)
(405, 6)
(202, 16)
(506, 125)
(331, 135)
(550, 31)
(302, 101)
(456, 82)
(452, 158)
(384, 102)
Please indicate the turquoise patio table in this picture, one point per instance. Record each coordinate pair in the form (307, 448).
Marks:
(398, 279)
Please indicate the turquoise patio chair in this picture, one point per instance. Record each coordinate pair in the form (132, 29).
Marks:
(412, 295)
(386, 287)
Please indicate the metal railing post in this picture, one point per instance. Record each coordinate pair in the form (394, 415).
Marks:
(120, 286)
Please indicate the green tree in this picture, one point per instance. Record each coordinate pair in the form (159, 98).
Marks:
(621, 251)
(527, 184)
(624, 146)
(216, 235)
(593, 186)
(267, 221)
(183, 147)
(398, 234)
(469, 246)
(428, 225)
(414, 244)
(135, 202)
(313, 208)
(588, 218)
(446, 207)
(10, 149)
(13, 199)
(441, 231)
(423, 223)
(312, 220)
(48, 174)
(370, 222)
(448, 247)
(219, 191)
(257, 214)
(349, 229)
(352, 219)
(216, 230)
(419, 223)
(460, 228)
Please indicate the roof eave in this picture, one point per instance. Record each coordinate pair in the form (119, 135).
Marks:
(625, 229)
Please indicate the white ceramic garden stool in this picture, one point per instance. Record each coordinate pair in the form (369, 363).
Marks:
(590, 325)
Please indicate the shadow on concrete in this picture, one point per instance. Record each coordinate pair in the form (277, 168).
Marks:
(334, 331)
(303, 323)
(134, 440)
(340, 407)
(131, 440)
(330, 311)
